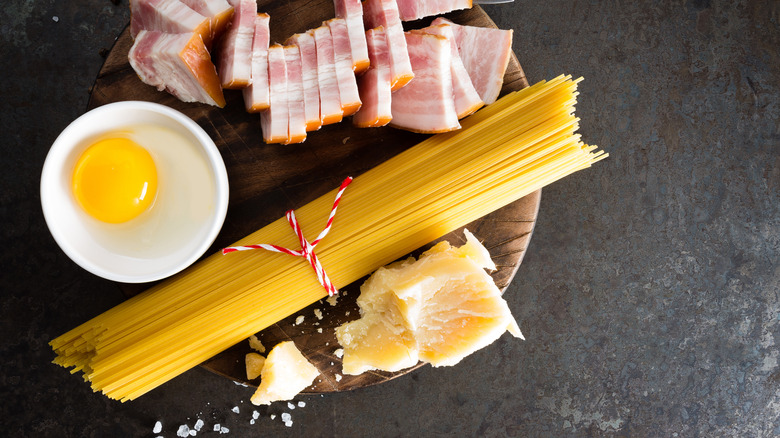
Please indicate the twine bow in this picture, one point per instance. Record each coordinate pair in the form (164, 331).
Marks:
(307, 248)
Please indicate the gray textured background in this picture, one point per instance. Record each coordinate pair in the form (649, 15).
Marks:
(649, 295)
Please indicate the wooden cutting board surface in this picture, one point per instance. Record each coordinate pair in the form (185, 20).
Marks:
(267, 180)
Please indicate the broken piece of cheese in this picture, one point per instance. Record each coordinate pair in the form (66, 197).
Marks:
(254, 365)
(438, 309)
(285, 373)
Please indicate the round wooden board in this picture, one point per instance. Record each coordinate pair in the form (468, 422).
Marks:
(267, 180)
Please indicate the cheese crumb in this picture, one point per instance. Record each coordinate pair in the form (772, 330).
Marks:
(299, 320)
(332, 300)
(318, 314)
(319, 330)
(339, 353)
(338, 377)
(157, 427)
(256, 345)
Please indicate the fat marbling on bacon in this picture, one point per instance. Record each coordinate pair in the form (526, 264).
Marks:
(426, 104)
(296, 125)
(467, 99)
(311, 91)
(178, 63)
(347, 84)
(352, 12)
(410, 10)
(385, 13)
(234, 53)
(171, 16)
(374, 84)
(330, 102)
(219, 13)
(275, 119)
(256, 97)
(485, 53)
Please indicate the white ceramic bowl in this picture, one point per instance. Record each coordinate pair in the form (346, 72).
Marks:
(182, 223)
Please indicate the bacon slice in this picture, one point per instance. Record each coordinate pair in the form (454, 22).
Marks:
(178, 63)
(171, 16)
(374, 85)
(256, 96)
(426, 105)
(274, 121)
(219, 13)
(352, 12)
(311, 91)
(235, 49)
(485, 53)
(330, 102)
(348, 91)
(296, 126)
(415, 9)
(467, 99)
(385, 13)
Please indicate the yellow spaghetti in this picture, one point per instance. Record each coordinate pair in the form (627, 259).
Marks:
(507, 150)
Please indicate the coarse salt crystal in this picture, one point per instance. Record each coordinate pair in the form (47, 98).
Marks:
(319, 330)
(216, 427)
(157, 427)
(193, 432)
(273, 416)
(55, 19)
(338, 377)
(290, 405)
(184, 431)
(223, 429)
(287, 419)
(301, 404)
(255, 415)
(235, 409)
(198, 425)
(252, 421)
(299, 320)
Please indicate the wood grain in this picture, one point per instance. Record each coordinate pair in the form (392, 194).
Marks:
(267, 180)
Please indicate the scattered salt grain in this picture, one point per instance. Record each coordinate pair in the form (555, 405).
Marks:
(216, 427)
(157, 427)
(235, 409)
(255, 415)
(301, 404)
(346, 313)
(319, 330)
(299, 320)
(198, 425)
(290, 406)
(252, 421)
(318, 313)
(184, 431)
(287, 419)
(338, 377)
(223, 429)
(55, 19)
(193, 432)
(339, 353)
(273, 416)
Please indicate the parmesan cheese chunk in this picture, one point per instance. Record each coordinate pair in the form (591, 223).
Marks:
(438, 309)
(254, 365)
(285, 373)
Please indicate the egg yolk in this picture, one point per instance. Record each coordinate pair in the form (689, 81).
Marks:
(115, 180)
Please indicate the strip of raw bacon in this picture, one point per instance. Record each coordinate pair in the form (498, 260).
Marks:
(467, 99)
(416, 9)
(352, 12)
(171, 16)
(178, 63)
(348, 91)
(235, 48)
(426, 105)
(330, 102)
(219, 12)
(296, 126)
(311, 91)
(385, 13)
(374, 85)
(485, 53)
(256, 96)
(274, 121)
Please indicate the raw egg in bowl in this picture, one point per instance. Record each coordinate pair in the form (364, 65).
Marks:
(134, 191)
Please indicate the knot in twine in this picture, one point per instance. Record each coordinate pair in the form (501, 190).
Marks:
(307, 248)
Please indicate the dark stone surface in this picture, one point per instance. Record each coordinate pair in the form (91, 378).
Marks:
(649, 295)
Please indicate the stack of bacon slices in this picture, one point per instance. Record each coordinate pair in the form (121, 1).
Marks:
(361, 63)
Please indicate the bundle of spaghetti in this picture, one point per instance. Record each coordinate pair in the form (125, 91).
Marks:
(507, 150)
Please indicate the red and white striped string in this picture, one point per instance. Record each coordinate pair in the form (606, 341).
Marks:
(307, 248)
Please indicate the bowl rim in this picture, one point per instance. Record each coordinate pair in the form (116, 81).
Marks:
(70, 138)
